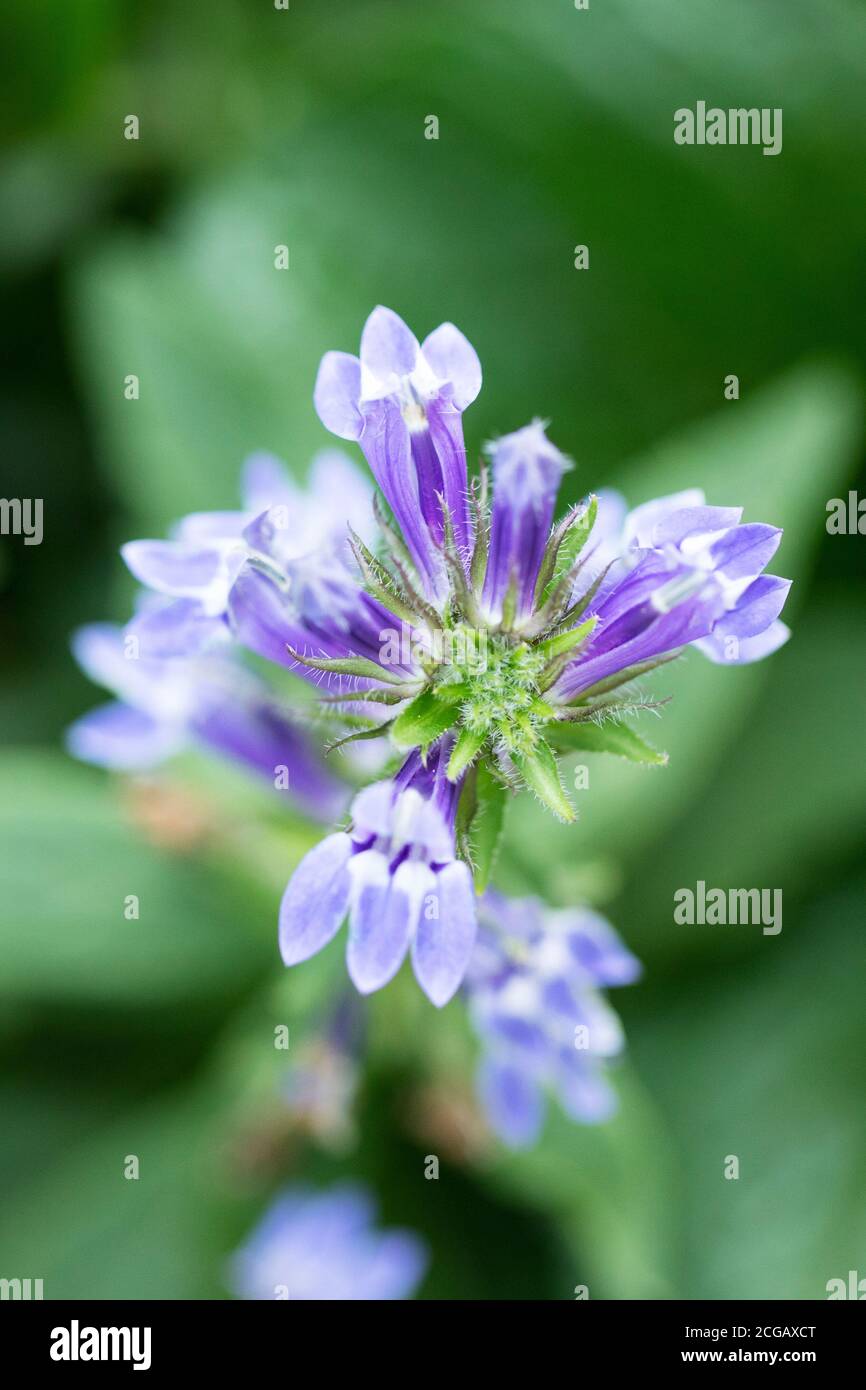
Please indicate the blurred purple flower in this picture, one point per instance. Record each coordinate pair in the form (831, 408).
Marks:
(167, 705)
(286, 531)
(316, 1246)
(533, 989)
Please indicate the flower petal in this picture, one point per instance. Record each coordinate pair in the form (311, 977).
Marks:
(690, 523)
(443, 943)
(179, 627)
(454, 359)
(748, 648)
(100, 652)
(654, 635)
(263, 620)
(388, 450)
(585, 1095)
(200, 528)
(604, 1035)
(758, 606)
(639, 525)
(373, 810)
(388, 347)
(316, 899)
(172, 567)
(265, 483)
(746, 550)
(597, 950)
(446, 436)
(384, 914)
(527, 470)
(336, 394)
(123, 739)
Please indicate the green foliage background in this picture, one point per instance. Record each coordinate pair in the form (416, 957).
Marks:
(305, 127)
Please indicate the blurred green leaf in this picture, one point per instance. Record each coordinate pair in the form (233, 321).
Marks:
(611, 737)
(767, 1065)
(71, 860)
(568, 546)
(792, 805)
(487, 825)
(89, 1232)
(612, 1190)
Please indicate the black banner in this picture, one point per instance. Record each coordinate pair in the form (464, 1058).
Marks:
(154, 1338)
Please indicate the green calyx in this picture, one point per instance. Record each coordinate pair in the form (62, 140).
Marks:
(487, 686)
(488, 691)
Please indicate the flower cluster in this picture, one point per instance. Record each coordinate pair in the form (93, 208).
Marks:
(521, 634)
(533, 987)
(454, 620)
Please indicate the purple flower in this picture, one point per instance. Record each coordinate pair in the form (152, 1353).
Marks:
(533, 988)
(403, 402)
(322, 614)
(396, 876)
(323, 1245)
(282, 529)
(561, 615)
(167, 705)
(527, 470)
(680, 573)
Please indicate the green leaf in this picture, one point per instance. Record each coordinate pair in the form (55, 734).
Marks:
(540, 773)
(481, 522)
(78, 1223)
(452, 692)
(509, 605)
(72, 857)
(564, 642)
(469, 743)
(348, 666)
(379, 583)
(357, 736)
(570, 640)
(777, 1039)
(571, 545)
(423, 721)
(486, 826)
(610, 737)
(363, 697)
